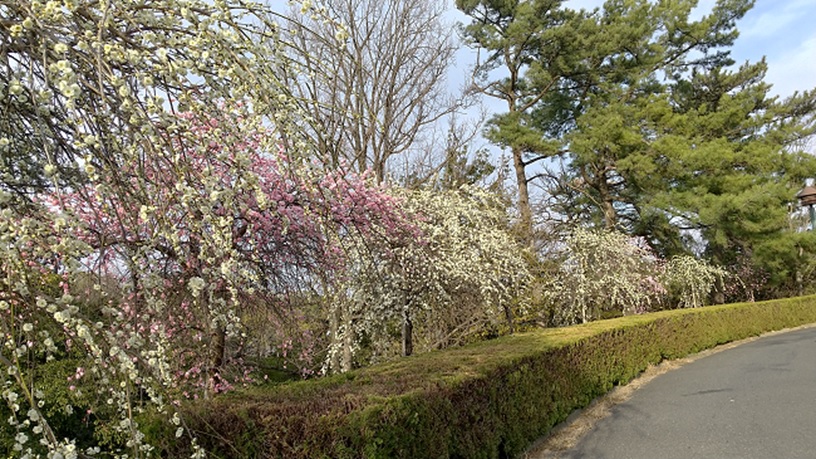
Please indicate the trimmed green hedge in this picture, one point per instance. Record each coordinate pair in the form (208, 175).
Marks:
(488, 400)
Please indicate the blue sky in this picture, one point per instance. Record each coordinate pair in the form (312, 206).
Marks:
(784, 31)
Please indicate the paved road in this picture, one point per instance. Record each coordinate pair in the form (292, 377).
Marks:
(757, 400)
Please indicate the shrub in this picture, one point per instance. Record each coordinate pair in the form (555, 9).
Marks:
(487, 400)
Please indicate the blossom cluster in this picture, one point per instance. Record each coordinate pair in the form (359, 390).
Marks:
(105, 208)
(610, 273)
(461, 273)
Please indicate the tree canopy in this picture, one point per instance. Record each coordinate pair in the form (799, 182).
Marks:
(656, 132)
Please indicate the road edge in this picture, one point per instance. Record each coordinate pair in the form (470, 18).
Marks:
(567, 434)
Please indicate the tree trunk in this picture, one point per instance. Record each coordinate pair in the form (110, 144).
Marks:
(345, 363)
(525, 212)
(610, 215)
(508, 315)
(407, 334)
(379, 171)
(334, 336)
(217, 351)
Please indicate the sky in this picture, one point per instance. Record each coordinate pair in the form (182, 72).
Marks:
(784, 32)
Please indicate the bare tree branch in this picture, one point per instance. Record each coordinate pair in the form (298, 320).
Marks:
(375, 88)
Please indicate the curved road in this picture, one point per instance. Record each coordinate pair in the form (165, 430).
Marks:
(757, 400)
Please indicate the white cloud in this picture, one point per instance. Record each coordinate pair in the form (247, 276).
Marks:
(776, 19)
(768, 24)
(793, 70)
(703, 8)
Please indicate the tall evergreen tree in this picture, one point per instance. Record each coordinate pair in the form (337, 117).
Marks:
(659, 134)
(706, 161)
(531, 47)
(551, 64)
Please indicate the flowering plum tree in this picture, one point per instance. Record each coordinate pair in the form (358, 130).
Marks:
(462, 272)
(691, 280)
(607, 271)
(603, 271)
(230, 225)
(284, 227)
(98, 168)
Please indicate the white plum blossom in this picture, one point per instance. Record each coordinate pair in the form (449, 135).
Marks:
(691, 280)
(461, 274)
(92, 94)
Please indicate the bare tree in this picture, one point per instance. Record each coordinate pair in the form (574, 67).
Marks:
(377, 83)
(449, 155)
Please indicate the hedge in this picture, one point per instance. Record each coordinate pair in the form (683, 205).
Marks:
(488, 400)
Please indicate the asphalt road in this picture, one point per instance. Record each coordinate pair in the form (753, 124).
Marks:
(757, 400)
